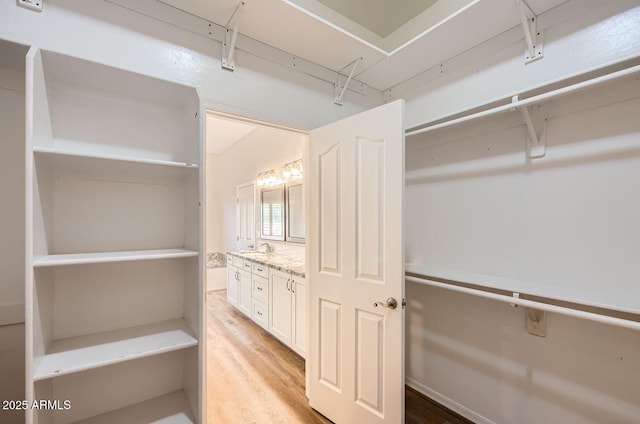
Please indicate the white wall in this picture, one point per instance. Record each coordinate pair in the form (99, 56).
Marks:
(263, 149)
(12, 370)
(568, 219)
(11, 238)
(12, 192)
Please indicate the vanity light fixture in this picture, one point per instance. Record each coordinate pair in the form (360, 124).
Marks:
(292, 170)
(286, 172)
(267, 178)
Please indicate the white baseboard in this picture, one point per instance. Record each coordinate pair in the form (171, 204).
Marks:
(445, 401)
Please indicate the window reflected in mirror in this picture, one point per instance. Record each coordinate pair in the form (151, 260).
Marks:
(272, 213)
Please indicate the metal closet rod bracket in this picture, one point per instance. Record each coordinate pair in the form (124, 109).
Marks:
(230, 38)
(535, 319)
(532, 36)
(341, 88)
(536, 144)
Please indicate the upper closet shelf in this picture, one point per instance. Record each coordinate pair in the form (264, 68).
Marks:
(610, 300)
(77, 354)
(68, 160)
(119, 256)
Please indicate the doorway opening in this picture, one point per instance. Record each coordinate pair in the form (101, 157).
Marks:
(246, 161)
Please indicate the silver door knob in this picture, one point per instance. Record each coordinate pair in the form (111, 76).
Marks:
(390, 303)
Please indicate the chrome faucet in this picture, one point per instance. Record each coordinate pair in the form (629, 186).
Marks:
(268, 248)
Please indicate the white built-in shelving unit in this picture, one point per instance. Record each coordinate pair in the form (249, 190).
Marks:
(114, 186)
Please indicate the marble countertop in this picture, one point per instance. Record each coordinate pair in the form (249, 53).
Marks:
(274, 260)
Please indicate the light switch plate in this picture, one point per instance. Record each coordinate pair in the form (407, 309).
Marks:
(31, 4)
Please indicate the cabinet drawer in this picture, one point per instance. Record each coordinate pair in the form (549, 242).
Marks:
(229, 260)
(260, 313)
(246, 265)
(261, 270)
(260, 288)
(238, 261)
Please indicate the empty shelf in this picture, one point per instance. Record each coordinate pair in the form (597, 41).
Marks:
(82, 353)
(119, 256)
(168, 409)
(611, 299)
(78, 160)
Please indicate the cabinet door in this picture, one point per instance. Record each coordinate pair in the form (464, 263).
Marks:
(232, 285)
(299, 316)
(244, 285)
(280, 305)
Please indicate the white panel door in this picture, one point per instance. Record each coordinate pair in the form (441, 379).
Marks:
(245, 217)
(356, 263)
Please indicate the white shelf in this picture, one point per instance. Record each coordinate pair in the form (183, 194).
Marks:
(168, 409)
(114, 175)
(610, 300)
(92, 163)
(102, 257)
(83, 353)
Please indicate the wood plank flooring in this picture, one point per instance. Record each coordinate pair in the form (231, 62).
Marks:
(253, 378)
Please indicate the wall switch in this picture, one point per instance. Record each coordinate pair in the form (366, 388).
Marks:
(536, 322)
(31, 4)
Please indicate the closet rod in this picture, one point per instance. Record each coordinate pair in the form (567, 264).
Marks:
(604, 319)
(531, 100)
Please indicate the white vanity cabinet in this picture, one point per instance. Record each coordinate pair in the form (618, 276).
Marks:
(273, 299)
(280, 305)
(233, 289)
(239, 284)
(244, 285)
(260, 295)
(299, 314)
(287, 309)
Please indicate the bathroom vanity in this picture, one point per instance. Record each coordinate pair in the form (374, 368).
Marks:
(270, 289)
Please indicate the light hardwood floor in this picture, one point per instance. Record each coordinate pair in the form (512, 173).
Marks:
(253, 378)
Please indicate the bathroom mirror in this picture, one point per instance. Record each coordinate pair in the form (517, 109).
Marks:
(272, 213)
(295, 213)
